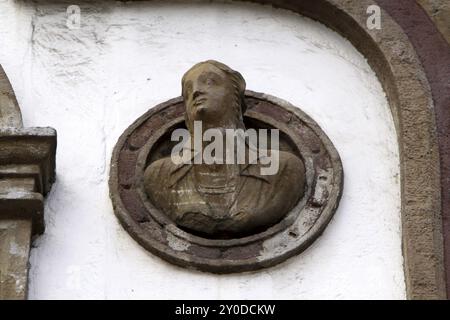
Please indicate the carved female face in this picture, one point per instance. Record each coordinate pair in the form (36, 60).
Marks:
(210, 97)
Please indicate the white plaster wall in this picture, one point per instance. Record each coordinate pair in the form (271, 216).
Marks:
(91, 83)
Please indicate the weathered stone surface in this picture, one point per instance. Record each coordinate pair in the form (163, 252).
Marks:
(21, 216)
(15, 237)
(439, 12)
(10, 116)
(25, 150)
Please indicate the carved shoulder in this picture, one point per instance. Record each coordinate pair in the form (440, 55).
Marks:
(156, 175)
(292, 169)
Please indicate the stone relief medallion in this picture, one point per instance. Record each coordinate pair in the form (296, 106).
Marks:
(224, 218)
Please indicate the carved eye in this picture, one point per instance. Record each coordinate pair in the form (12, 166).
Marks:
(210, 82)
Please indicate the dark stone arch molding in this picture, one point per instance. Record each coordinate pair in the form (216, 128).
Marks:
(434, 53)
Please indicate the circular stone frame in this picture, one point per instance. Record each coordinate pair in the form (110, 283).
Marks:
(146, 140)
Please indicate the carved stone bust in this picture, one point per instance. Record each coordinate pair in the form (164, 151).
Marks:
(222, 199)
(181, 201)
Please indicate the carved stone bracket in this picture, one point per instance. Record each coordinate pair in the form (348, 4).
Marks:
(27, 171)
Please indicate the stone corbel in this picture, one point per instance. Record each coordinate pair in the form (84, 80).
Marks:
(27, 171)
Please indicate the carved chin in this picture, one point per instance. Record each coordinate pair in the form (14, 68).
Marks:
(205, 112)
(201, 110)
